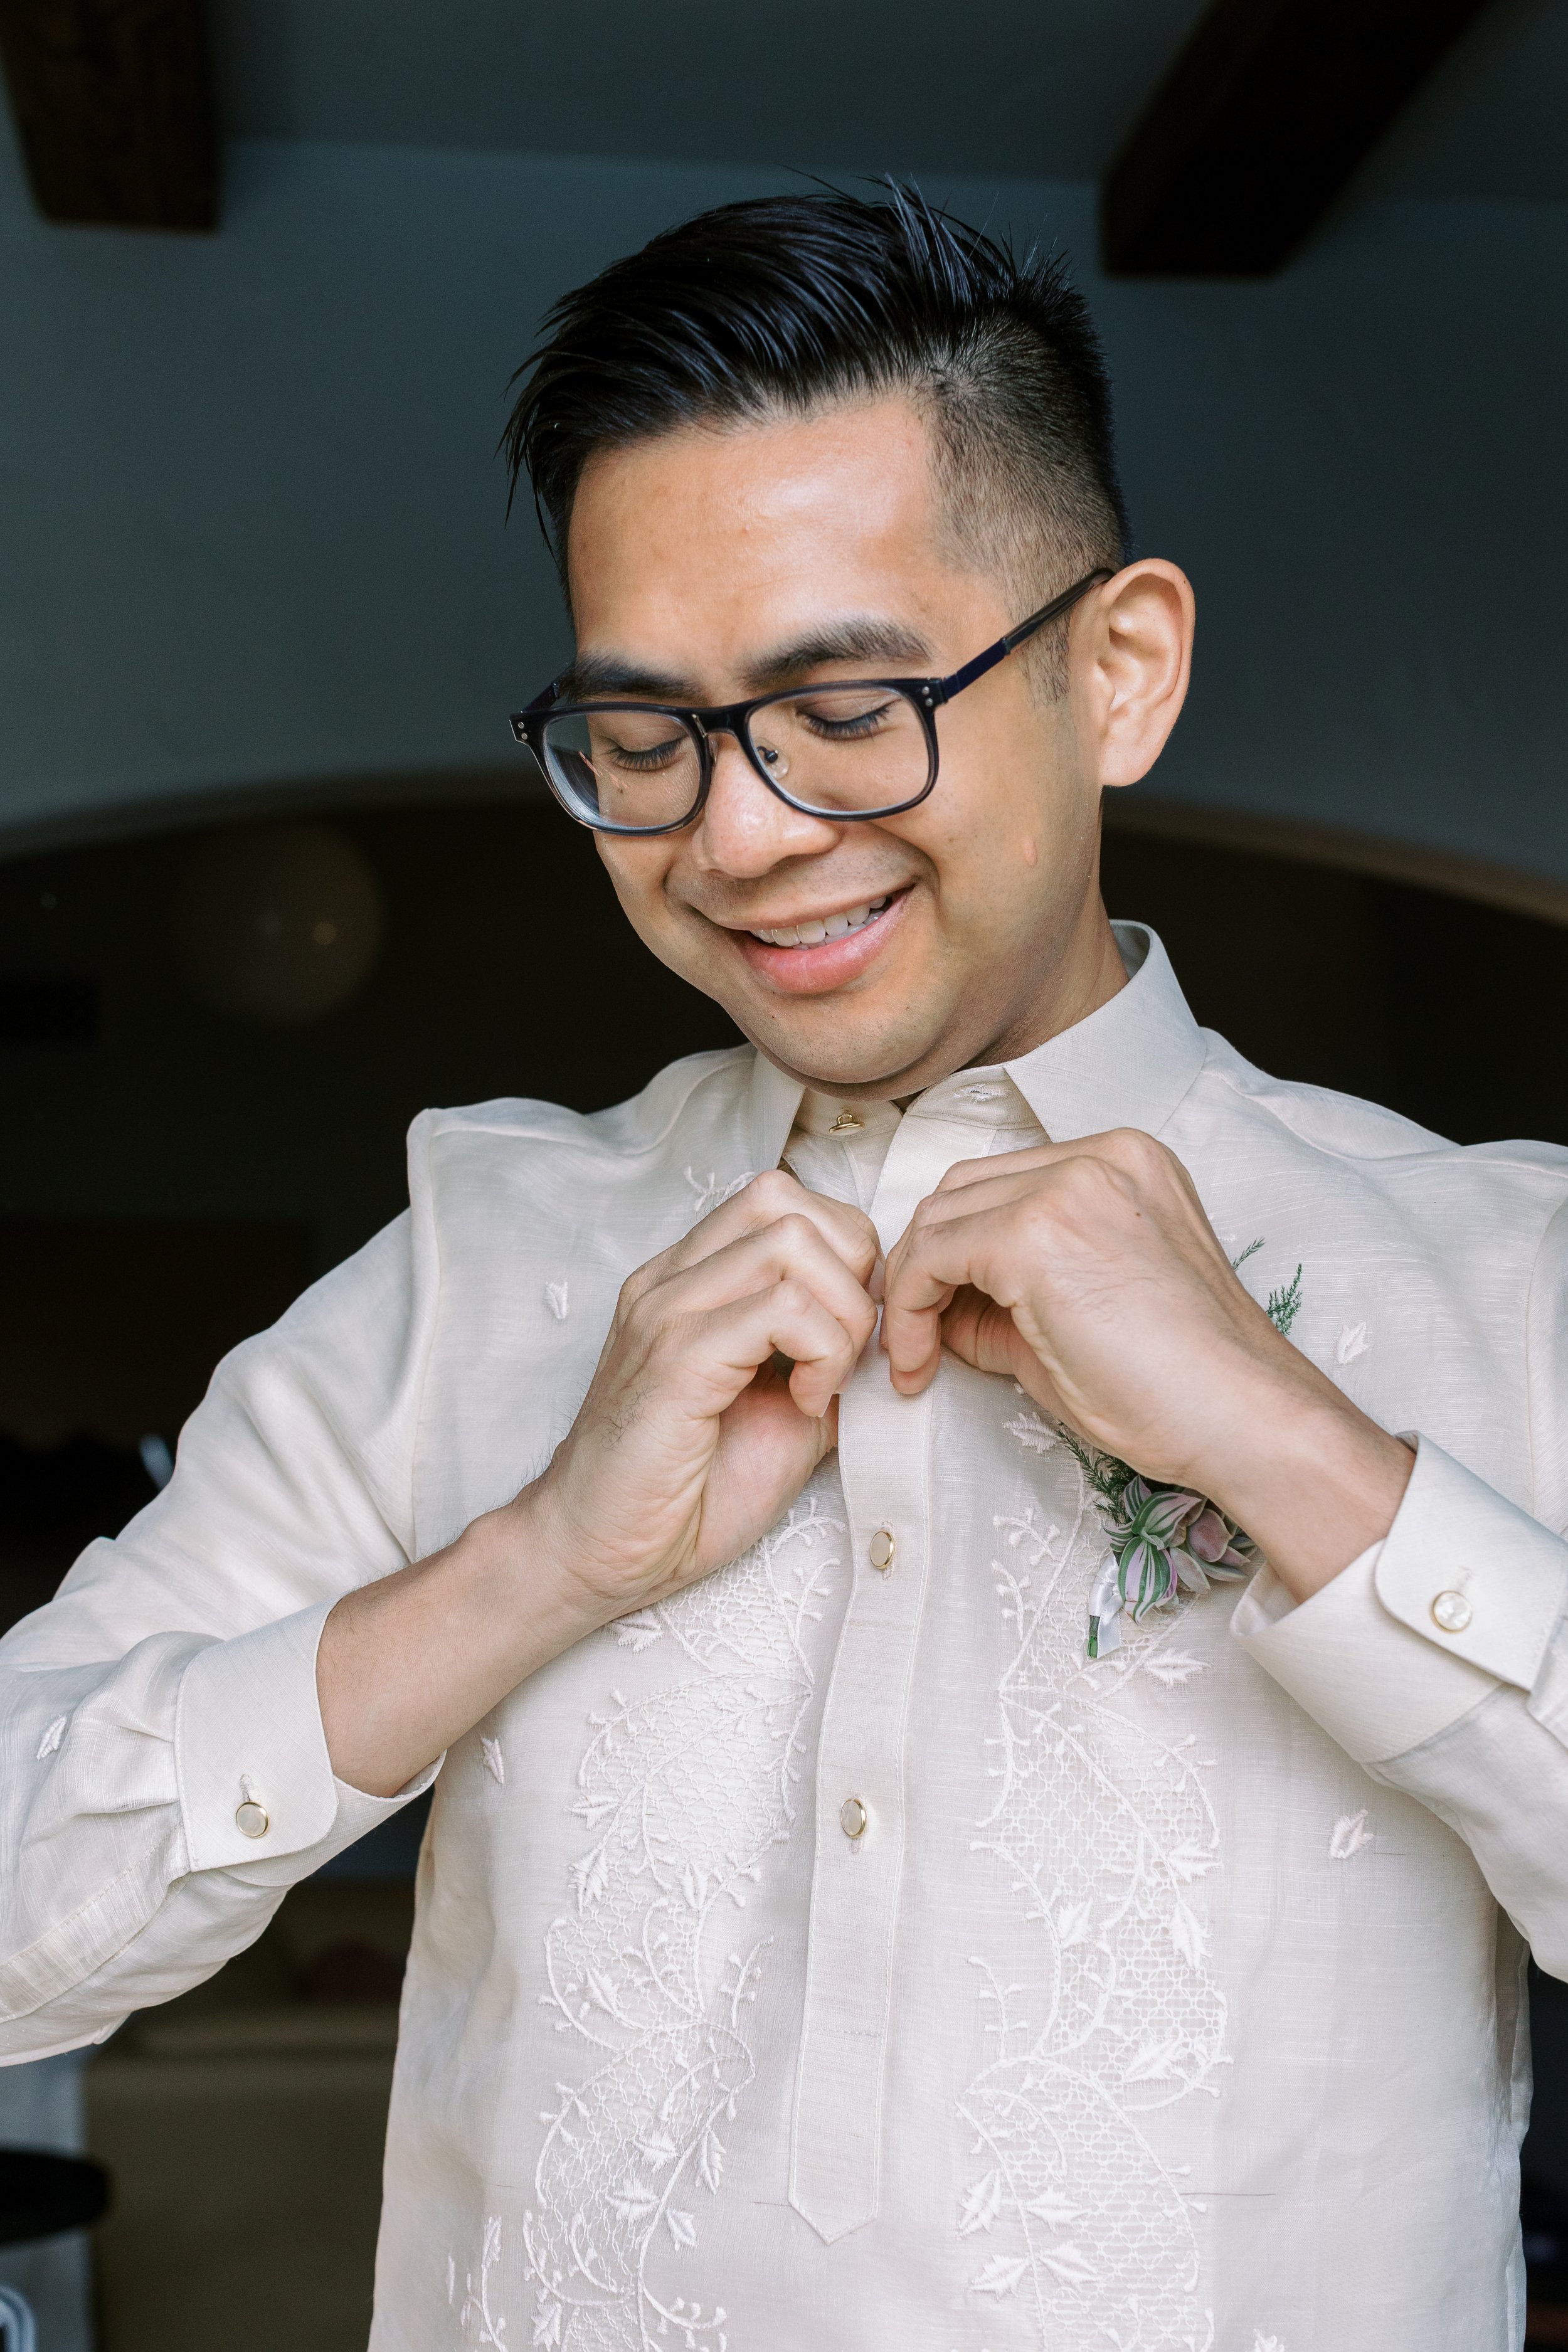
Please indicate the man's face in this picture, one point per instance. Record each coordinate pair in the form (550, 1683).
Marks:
(707, 566)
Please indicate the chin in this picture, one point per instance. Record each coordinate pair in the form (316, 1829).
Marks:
(839, 1054)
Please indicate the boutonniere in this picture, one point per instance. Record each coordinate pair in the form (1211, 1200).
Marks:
(1163, 1540)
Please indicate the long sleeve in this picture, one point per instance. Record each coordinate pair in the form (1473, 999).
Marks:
(164, 1773)
(1440, 1659)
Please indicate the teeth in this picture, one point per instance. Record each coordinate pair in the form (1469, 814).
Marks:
(812, 932)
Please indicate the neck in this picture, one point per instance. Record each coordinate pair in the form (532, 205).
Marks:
(1090, 974)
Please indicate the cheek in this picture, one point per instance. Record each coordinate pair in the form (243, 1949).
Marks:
(639, 877)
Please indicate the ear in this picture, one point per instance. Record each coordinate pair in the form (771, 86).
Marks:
(1131, 657)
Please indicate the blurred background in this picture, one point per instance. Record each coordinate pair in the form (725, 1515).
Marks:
(272, 877)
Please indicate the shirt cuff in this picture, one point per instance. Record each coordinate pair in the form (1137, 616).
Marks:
(1461, 1595)
(256, 1782)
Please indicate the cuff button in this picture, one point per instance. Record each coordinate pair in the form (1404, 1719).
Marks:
(250, 1817)
(1451, 1612)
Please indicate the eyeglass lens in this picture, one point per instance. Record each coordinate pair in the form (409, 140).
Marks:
(841, 751)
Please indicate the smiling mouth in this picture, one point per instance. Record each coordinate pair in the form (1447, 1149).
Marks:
(816, 931)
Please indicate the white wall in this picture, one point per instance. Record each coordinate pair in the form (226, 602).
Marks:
(251, 521)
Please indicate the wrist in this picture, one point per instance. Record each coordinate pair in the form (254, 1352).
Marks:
(524, 1552)
(1313, 1480)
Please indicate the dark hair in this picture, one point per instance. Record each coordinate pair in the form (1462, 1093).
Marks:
(786, 304)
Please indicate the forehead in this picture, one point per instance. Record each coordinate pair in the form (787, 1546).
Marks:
(770, 519)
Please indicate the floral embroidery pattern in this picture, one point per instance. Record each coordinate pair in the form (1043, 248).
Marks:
(682, 1795)
(495, 1762)
(1069, 2207)
(1354, 1339)
(52, 1737)
(488, 2326)
(1351, 1834)
(708, 1192)
(558, 1298)
(1034, 1433)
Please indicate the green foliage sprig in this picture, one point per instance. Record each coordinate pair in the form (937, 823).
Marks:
(1165, 1538)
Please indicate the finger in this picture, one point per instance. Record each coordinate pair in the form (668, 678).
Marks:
(980, 1333)
(724, 1350)
(792, 1248)
(1150, 1171)
(965, 1172)
(846, 1230)
(918, 1294)
(973, 1240)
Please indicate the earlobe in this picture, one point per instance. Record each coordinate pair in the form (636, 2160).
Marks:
(1140, 655)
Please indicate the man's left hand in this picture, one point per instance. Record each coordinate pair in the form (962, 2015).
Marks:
(1088, 1272)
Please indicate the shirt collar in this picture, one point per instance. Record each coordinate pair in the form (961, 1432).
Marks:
(1129, 1064)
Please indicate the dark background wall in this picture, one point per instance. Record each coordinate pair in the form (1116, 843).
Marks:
(508, 969)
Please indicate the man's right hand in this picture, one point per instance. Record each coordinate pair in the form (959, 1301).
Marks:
(690, 1443)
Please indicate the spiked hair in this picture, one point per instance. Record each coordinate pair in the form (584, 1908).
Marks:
(788, 305)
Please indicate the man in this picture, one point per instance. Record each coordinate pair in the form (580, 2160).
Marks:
(854, 1914)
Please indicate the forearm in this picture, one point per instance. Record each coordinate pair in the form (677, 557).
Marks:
(409, 1664)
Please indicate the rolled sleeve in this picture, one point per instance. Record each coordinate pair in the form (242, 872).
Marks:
(1371, 1657)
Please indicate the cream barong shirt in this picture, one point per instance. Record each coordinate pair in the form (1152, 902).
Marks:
(833, 1957)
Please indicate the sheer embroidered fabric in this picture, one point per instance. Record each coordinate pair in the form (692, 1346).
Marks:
(683, 1795)
(1080, 2218)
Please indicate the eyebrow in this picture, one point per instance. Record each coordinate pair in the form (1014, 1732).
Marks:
(855, 638)
(589, 676)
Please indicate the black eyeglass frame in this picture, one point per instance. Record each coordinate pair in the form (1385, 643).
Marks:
(927, 694)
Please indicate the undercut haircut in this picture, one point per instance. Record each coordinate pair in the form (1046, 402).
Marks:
(787, 306)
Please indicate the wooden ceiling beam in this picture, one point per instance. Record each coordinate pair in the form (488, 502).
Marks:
(1258, 124)
(113, 104)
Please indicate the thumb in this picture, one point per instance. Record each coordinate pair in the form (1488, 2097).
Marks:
(981, 1333)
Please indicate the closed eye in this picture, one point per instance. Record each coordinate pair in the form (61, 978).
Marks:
(651, 761)
(831, 728)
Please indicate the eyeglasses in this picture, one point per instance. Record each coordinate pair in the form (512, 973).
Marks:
(850, 750)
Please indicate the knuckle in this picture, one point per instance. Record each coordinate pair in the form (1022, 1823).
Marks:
(1139, 1151)
(773, 1189)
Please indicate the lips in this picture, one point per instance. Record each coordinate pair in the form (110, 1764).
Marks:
(820, 954)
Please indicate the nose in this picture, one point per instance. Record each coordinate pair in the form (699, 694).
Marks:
(745, 830)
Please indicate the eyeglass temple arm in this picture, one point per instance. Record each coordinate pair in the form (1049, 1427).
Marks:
(1015, 637)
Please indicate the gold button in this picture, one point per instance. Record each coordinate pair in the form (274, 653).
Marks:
(1452, 1611)
(251, 1819)
(847, 1124)
(882, 1550)
(853, 1818)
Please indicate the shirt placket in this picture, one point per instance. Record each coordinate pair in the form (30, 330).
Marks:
(884, 1462)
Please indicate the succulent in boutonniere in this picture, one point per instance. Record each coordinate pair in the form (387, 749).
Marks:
(1163, 1538)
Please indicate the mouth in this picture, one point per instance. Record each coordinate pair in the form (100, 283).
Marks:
(815, 930)
(823, 951)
